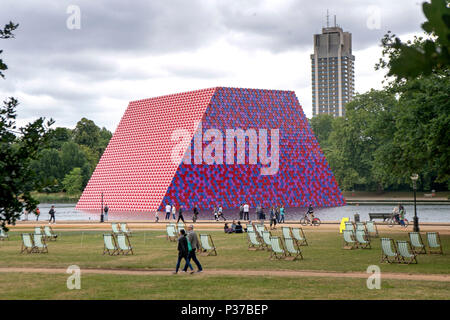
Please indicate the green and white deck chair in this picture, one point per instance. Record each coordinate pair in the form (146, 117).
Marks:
(171, 232)
(259, 229)
(180, 226)
(406, 254)
(266, 239)
(299, 236)
(349, 226)
(389, 252)
(124, 229)
(277, 248)
(174, 227)
(115, 228)
(124, 244)
(416, 243)
(110, 244)
(253, 242)
(363, 239)
(286, 232)
(349, 240)
(207, 245)
(38, 230)
(292, 249)
(39, 243)
(372, 228)
(360, 226)
(27, 243)
(250, 228)
(3, 234)
(49, 234)
(434, 243)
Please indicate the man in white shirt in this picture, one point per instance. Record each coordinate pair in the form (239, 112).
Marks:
(174, 210)
(246, 211)
(168, 210)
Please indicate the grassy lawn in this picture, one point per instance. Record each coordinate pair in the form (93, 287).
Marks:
(153, 251)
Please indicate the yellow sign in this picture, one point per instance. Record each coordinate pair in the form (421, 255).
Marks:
(343, 221)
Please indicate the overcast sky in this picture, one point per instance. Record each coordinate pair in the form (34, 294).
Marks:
(129, 50)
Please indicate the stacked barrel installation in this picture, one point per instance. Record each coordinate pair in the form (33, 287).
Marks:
(214, 146)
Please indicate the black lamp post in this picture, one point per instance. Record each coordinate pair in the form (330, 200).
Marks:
(414, 178)
(101, 214)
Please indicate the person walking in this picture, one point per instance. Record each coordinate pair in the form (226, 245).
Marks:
(106, 212)
(281, 214)
(277, 214)
(246, 209)
(401, 215)
(37, 213)
(180, 214)
(157, 216)
(241, 211)
(273, 218)
(196, 213)
(220, 213)
(168, 210)
(174, 211)
(51, 212)
(183, 252)
(215, 212)
(193, 240)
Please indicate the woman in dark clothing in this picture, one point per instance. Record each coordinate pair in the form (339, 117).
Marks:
(180, 214)
(238, 227)
(183, 251)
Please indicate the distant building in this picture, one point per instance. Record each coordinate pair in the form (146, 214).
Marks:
(333, 71)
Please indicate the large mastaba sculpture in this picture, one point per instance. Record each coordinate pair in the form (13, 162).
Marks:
(214, 146)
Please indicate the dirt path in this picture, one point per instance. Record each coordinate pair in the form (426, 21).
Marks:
(275, 273)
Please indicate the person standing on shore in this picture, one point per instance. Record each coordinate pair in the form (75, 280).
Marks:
(246, 208)
(37, 213)
(168, 210)
(106, 212)
(51, 212)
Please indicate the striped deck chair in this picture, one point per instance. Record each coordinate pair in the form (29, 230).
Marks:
(434, 243)
(361, 226)
(349, 240)
(124, 229)
(286, 232)
(250, 228)
(180, 226)
(171, 232)
(115, 228)
(299, 236)
(207, 245)
(266, 239)
(349, 226)
(372, 228)
(110, 244)
(49, 234)
(363, 239)
(124, 244)
(39, 243)
(253, 242)
(389, 252)
(292, 249)
(416, 243)
(259, 229)
(278, 251)
(38, 230)
(406, 255)
(27, 243)
(3, 234)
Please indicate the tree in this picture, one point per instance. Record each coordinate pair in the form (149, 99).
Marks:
(86, 133)
(72, 156)
(49, 170)
(58, 136)
(322, 126)
(73, 181)
(18, 147)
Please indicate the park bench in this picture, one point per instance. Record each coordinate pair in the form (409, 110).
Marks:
(384, 216)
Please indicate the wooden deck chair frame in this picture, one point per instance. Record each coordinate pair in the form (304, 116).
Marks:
(123, 227)
(251, 245)
(169, 237)
(302, 241)
(129, 248)
(115, 230)
(266, 241)
(365, 243)
(434, 250)
(286, 232)
(420, 247)
(205, 251)
(3, 234)
(405, 245)
(26, 248)
(290, 255)
(114, 251)
(384, 256)
(351, 242)
(274, 253)
(41, 231)
(375, 228)
(348, 223)
(52, 235)
(252, 227)
(40, 249)
(358, 226)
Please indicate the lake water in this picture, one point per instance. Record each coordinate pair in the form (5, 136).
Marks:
(425, 212)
